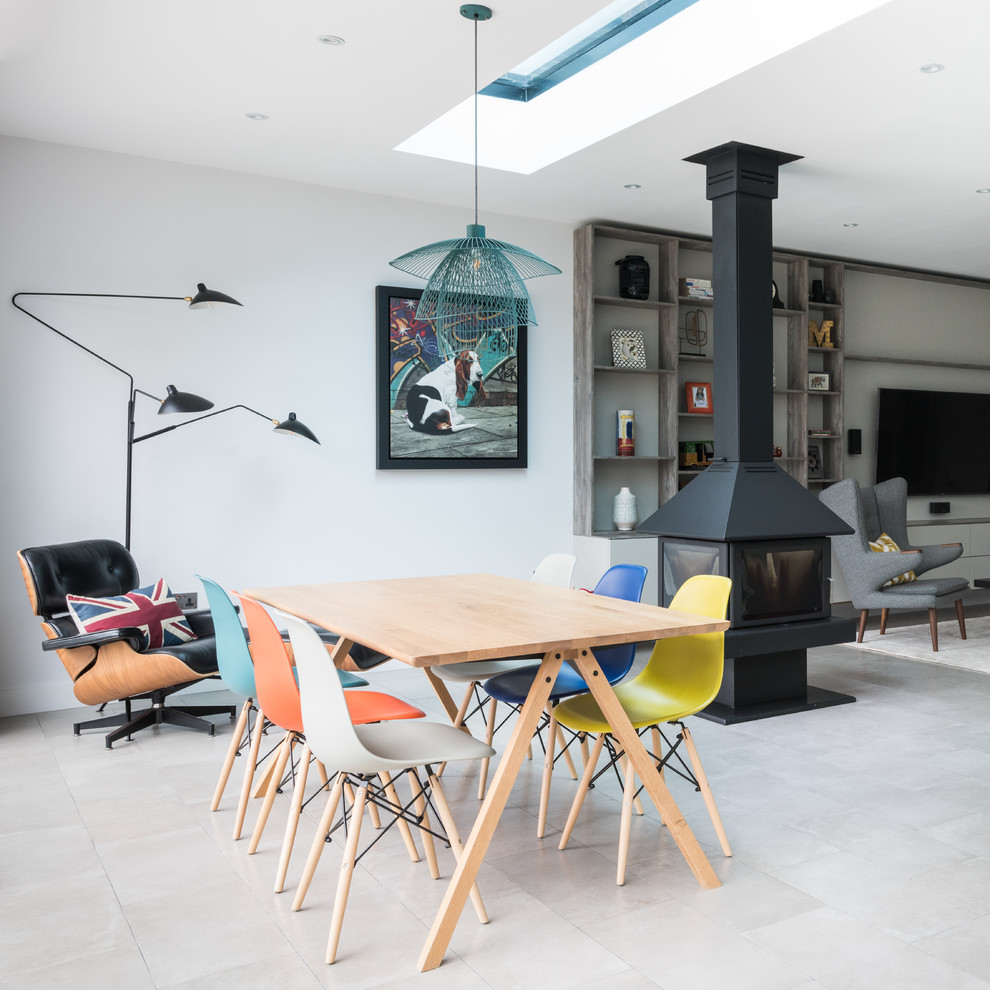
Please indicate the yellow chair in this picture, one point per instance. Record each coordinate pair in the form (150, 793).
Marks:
(682, 676)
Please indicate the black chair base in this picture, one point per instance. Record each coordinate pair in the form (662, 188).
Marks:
(128, 723)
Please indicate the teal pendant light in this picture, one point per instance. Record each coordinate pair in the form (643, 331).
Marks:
(475, 284)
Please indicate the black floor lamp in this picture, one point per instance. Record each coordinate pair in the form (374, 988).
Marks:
(175, 401)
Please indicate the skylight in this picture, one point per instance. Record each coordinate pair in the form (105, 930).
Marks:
(601, 34)
(674, 60)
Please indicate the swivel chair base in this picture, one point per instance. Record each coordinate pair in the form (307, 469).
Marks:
(159, 712)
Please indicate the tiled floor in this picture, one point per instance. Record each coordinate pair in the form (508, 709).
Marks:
(861, 837)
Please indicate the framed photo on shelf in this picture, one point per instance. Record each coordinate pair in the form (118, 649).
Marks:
(628, 349)
(429, 413)
(699, 397)
(819, 381)
(815, 461)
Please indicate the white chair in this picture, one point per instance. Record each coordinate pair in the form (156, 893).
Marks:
(366, 753)
(556, 569)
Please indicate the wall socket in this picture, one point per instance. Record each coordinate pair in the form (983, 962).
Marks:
(187, 600)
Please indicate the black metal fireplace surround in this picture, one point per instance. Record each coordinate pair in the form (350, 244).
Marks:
(743, 516)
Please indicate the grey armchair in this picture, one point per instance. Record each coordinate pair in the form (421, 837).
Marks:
(883, 509)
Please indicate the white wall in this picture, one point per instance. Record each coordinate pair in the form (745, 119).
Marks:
(227, 497)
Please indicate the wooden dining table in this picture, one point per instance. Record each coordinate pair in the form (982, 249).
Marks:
(426, 621)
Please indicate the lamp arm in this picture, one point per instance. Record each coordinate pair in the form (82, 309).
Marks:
(72, 340)
(189, 422)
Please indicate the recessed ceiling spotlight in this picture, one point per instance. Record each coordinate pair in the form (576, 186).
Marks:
(930, 68)
(331, 39)
(632, 185)
(850, 225)
(256, 116)
(983, 191)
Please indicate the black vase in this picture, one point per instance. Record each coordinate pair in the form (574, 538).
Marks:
(634, 277)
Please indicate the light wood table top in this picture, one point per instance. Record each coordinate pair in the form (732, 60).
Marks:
(462, 617)
(457, 618)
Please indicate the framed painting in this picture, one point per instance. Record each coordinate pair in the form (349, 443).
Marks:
(446, 403)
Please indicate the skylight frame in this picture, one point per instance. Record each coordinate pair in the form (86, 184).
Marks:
(556, 64)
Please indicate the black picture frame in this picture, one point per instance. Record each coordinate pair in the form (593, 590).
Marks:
(496, 440)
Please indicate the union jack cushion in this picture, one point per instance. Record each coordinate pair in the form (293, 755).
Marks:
(153, 610)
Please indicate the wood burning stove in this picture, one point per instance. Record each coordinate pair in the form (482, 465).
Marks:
(743, 516)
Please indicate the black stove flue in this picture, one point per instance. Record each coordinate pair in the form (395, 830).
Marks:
(743, 516)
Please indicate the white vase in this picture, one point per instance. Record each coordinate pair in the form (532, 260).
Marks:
(624, 509)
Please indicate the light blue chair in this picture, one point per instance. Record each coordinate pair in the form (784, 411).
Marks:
(237, 672)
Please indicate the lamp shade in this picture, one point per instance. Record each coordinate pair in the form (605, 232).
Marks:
(205, 298)
(296, 428)
(475, 282)
(183, 402)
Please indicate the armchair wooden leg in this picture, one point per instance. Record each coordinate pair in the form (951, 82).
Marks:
(249, 768)
(933, 625)
(319, 841)
(419, 803)
(346, 872)
(489, 736)
(625, 823)
(863, 615)
(960, 618)
(884, 615)
(456, 846)
(706, 791)
(541, 822)
(284, 752)
(295, 810)
(232, 750)
(589, 772)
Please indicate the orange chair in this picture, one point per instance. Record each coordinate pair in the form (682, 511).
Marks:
(278, 694)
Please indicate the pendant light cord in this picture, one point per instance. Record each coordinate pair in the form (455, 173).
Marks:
(476, 119)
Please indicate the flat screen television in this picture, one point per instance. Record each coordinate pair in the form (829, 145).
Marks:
(938, 441)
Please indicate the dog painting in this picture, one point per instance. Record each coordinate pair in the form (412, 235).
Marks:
(431, 404)
(460, 409)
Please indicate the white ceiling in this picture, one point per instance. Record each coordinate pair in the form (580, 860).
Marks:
(899, 152)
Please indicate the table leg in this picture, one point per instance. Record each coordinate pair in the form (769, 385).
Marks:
(491, 810)
(636, 752)
(446, 700)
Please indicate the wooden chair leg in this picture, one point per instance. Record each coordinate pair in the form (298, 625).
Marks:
(453, 836)
(628, 790)
(292, 823)
(636, 802)
(319, 841)
(658, 753)
(884, 615)
(235, 745)
(565, 753)
(401, 824)
(933, 625)
(863, 615)
(541, 822)
(960, 618)
(489, 736)
(419, 803)
(275, 776)
(249, 768)
(459, 717)
(346, 872)
(584, 748)
(706, 791)
(589, 772)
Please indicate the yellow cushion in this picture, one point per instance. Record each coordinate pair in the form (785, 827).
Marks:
(884, 544)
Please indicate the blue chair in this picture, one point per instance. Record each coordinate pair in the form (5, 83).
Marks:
(623, 581)
(237, 672)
